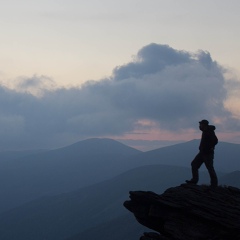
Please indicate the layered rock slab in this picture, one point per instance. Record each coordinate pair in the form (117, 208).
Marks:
(188, 212)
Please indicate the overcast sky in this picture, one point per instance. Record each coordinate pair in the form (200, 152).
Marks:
(144, 70)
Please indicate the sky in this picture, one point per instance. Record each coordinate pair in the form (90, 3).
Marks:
(142, 72)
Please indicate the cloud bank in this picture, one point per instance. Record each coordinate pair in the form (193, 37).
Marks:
(160, 88)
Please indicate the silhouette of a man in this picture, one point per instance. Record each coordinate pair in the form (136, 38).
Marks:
(206, 153)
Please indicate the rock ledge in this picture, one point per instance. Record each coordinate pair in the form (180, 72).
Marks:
(188, 212)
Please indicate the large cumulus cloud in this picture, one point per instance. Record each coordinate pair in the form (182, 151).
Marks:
(172, 89)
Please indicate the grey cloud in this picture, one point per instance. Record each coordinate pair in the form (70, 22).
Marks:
(179, 90)
(35, 84)
(151, 59)
(174, 89)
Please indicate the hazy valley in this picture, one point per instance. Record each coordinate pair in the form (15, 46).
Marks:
(77, 192)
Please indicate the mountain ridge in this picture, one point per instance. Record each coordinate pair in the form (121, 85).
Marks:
(64, 170)
(99, 146)
(55, 171)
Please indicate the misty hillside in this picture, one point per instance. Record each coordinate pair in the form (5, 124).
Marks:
(230, 179)
(67, 214)
(46, 173)
(9, 155)
(90, 208)
(90, 161)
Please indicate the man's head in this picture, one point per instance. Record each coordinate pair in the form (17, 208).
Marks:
(203, 125)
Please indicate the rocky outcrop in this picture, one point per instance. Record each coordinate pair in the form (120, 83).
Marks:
(188, 212)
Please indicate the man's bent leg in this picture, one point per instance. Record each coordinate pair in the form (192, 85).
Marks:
(196, 164)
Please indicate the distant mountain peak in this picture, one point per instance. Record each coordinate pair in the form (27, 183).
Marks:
(101, 145)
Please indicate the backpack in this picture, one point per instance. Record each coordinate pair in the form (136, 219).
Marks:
(215, 139)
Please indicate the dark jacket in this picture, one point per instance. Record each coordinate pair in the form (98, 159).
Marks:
(208, 140)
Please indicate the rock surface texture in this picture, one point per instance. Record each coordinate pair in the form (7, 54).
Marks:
(188, 212)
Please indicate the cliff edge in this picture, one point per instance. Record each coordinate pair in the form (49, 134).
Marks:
(188, 212)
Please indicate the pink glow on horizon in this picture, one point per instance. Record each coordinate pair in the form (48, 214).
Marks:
(183, 135)
(161, 135)
(153, 133)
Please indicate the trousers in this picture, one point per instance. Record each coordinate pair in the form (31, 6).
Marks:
(207, 159)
